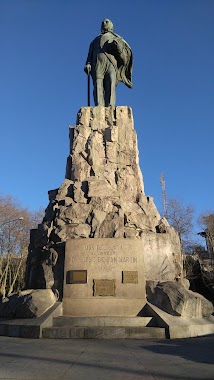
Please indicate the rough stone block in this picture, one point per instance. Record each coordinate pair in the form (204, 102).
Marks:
(27, 304)
(175, 299)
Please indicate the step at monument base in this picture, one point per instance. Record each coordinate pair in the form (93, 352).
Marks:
(67, 327)
(110, 332)
(104, 321)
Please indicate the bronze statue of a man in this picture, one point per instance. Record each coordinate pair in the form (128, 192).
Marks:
(109, 61)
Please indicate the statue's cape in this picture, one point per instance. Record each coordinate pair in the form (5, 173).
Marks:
(124, 63)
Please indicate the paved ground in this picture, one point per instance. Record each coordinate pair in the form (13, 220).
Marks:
(182, 359)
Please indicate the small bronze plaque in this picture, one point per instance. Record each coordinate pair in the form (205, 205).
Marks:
(130, 277)
(104, 287)
(76, 277)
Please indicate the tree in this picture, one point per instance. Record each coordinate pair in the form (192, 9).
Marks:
(198, 261)
(206, 221)
(180, 217)
(15, 225)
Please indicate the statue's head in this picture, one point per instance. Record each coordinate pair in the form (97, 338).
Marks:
(107, 26)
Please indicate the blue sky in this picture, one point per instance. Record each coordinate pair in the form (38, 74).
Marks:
(43, 48)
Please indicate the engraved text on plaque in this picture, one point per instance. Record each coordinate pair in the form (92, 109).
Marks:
(104, 287)
(130, 277)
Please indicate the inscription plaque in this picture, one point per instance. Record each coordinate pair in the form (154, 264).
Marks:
(130, 277)
(76, 277)
(104, 287)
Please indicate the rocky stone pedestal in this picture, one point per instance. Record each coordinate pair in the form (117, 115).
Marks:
(102, 239)
(102, 197)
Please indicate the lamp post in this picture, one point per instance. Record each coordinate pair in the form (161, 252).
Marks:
(11, 220)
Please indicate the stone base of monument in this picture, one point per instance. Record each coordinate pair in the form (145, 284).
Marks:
(29, 327)
(110, 229)
(103, 328)
(104, 277)
(180, 327)
(104, 296)
(153, 323)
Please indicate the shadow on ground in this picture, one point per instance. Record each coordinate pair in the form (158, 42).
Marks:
(199, 350)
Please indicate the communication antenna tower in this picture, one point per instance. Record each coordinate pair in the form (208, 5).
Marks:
(163, 187)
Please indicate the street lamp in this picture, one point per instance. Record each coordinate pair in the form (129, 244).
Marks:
(11, 220)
